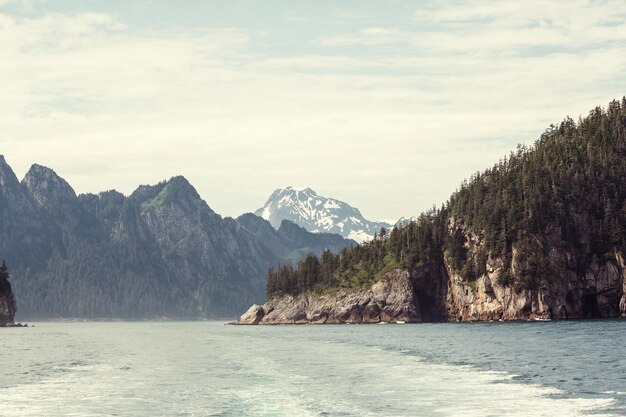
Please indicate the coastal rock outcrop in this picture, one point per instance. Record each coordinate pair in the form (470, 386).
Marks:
(392, 299)
(8, 305)
(253, 315)
(566, 285)
(598, 292)
(538, 282)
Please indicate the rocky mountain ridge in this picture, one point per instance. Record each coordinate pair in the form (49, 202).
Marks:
(160, 252)
(318, 214)
(289, 235)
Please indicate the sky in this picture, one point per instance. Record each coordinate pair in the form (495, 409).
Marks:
(387, 105)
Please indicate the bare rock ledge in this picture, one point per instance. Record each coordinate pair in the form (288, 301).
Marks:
(391, 299)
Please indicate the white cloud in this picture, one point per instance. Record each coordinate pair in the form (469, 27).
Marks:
(391, 128)
(496, 25)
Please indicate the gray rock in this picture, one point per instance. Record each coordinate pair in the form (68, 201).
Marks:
(437, 292)
(8, 305)
(598, 291)
(391, 299)
(253, 315)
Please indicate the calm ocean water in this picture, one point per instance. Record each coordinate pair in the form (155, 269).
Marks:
(567, 368)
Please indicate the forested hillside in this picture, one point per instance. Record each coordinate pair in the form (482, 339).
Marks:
(542, 217)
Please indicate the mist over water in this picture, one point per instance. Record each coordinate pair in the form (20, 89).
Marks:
(205, 368)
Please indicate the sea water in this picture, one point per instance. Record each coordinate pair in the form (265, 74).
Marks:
(564, 368)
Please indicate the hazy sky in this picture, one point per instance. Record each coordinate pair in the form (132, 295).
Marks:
(386, 105)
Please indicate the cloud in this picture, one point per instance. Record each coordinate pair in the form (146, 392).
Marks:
(369, 36)
(573, 15)
(372, 115)
(25, 4)
(499, 26)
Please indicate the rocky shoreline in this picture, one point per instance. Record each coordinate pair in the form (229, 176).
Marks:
(15, 325)
(435, 293)
(392, 299)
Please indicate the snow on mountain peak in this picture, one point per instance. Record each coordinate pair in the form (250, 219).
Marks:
(298, 189)
(318, 214)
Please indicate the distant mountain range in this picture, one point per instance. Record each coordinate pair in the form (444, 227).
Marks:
(160, 252)
(318, 214)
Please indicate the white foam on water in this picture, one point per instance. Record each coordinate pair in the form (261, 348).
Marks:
(200, 370)
(373, 382)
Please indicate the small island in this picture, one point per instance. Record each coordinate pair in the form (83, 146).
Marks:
(8, 304)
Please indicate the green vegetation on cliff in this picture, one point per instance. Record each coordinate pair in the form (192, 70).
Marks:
(568, 191)
(411, 246)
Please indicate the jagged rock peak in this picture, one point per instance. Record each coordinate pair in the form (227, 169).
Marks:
(180, 186)
(7, 176)
(403, 221)
(113, 194)
(176, 186)
(46, 186)
(177, 191)
(291, 189)
(318, 214)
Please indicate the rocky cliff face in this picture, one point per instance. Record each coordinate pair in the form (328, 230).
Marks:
(565, 285)
(8, 305)
(392, 299)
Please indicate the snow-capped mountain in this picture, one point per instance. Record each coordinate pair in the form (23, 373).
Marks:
(403, 221)
(318, 214)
